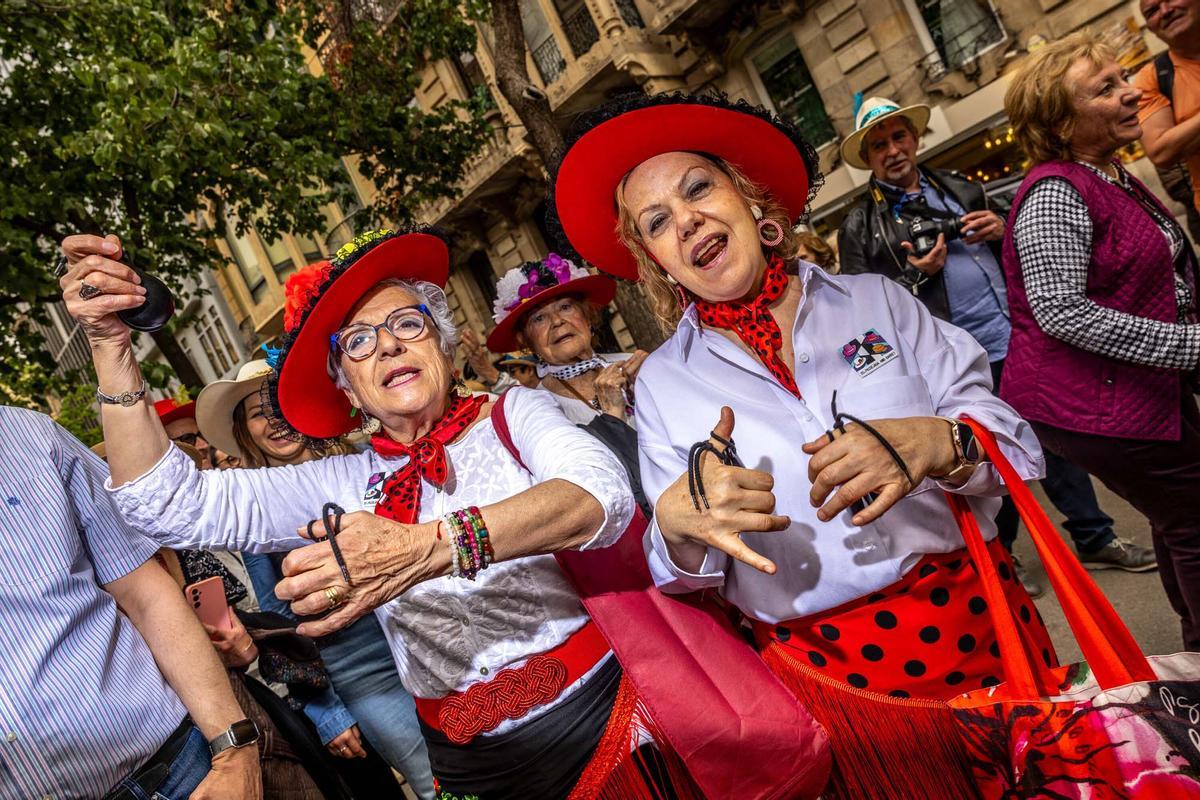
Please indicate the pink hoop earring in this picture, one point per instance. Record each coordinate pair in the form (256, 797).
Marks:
(769, 240)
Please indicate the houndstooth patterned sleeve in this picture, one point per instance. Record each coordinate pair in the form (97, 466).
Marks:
(1053, 236)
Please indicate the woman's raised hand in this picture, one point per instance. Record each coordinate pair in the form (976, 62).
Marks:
(739, 501)
(610, 390)
(91, 262)
(856, 464)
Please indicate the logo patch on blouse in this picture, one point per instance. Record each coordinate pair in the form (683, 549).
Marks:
(868, 353)
(374, 490)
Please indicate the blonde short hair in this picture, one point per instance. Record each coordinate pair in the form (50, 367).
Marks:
(664, 300)
(1039, 99)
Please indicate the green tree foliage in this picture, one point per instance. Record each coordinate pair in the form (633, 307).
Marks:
(135, 116)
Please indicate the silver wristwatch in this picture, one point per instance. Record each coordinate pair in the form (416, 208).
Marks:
(239, 734)
(126, 399)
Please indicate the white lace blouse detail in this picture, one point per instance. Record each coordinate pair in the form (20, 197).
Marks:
(446, 633)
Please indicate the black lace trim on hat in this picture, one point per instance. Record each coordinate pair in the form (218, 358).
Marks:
(634, 101)
(346, 257)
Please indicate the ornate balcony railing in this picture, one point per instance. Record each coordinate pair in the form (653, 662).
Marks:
(581, 30)
(961, 48)
(629, 13)
(549, 60)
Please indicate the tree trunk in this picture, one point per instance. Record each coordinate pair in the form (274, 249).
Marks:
(185, 370)
(533, 108)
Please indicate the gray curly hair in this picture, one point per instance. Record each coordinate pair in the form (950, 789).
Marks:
(434, 298)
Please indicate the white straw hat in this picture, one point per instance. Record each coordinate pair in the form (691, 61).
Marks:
(873, 111)
(216, 402)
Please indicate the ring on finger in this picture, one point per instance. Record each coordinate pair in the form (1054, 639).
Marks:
(87, 291)
(334, 595)
(60, 266)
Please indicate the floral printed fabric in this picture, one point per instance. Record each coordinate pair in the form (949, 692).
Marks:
(1140, 741)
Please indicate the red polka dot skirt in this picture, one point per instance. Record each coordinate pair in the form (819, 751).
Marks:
(927, 636)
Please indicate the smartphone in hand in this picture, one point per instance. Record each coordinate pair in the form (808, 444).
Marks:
(207, 598)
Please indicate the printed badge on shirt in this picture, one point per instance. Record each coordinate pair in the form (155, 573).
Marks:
(867, 353)
(374, 490)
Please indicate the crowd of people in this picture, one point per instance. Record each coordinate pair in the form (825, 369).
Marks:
(346, 563)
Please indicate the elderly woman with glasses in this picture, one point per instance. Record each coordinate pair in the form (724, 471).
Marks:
(444, 527)
(552, 307)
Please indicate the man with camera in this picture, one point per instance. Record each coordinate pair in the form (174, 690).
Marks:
(934, 232)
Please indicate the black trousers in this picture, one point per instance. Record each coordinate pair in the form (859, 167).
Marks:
(1070, 490)
(1161, 480)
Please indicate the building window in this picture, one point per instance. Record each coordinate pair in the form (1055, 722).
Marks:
(281, 259)
(961, 29)
(790, 88)
(578, 24)
(215, 342)
(539, 37)
(471, 74)
(308, 248)
(247, 262)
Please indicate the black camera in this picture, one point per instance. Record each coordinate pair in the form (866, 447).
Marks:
(923, 233)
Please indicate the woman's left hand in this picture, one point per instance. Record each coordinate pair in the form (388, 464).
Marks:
(611, 387)
(857, 464)
(384, 558)
(347, 744)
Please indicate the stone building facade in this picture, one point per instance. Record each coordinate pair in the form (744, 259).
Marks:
(805, 59)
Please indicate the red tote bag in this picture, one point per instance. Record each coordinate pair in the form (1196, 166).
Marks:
(1119, 726)
(740, 732)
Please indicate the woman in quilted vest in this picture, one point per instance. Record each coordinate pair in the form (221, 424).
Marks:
(1102, 292)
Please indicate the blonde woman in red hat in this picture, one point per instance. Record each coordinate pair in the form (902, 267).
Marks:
(834, 542)
(439, 528)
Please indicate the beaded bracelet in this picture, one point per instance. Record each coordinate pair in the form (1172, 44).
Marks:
(470, 545)
(453, 529)
(475, 519)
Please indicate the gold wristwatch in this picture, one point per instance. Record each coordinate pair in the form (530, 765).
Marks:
(966, 449)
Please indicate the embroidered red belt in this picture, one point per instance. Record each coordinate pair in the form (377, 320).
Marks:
(513, 692)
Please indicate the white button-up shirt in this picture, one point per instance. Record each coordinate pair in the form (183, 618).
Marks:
(916, 366)
(446, 633)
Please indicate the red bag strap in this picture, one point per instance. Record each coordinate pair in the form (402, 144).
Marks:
(500, 425)
(1021, 673)
(1109, 648)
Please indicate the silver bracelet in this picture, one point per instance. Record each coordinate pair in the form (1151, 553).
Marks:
(126, 399)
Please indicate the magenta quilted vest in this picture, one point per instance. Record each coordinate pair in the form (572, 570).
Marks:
(1050, 381)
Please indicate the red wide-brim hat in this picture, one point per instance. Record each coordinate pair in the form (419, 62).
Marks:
(171, 409)
(606, 143)
(302, 394)
(598, 289)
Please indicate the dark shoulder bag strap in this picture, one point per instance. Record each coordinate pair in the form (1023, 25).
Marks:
(1164, 69)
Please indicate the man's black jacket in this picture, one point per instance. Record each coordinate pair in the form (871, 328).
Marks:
(869, 239)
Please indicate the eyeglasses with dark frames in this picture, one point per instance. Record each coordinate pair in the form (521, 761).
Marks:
(361, 340)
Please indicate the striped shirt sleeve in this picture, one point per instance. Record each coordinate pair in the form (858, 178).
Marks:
(115, 548)
(1053, 237)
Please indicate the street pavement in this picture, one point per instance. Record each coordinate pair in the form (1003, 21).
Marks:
(1137, 597)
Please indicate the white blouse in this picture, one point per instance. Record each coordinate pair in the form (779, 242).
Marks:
(578, 411)
(446, 633)
(916, 366)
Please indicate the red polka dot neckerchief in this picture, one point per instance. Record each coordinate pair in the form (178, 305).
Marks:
(426, 459)
(754, 323)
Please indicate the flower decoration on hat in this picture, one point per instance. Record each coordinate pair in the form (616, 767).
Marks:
(300, 291)
(519, 286)
(525, 287)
